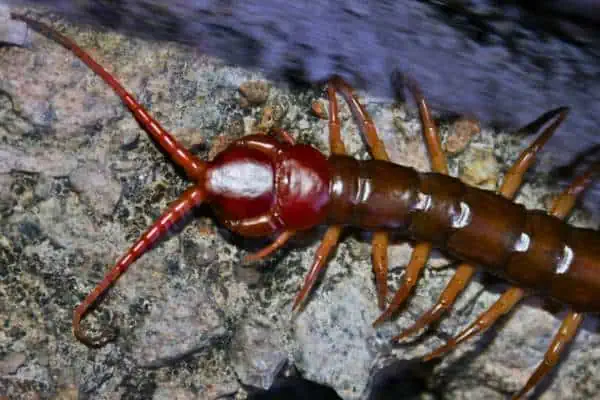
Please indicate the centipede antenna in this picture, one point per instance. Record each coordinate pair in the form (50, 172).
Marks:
(175, 213)
(192, 165)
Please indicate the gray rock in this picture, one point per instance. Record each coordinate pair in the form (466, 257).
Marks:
(6, 199)
(185, 324)
(11, 32)
(11, 363)
(256, 353)
(39, 160)
(95, 182)
(335, 337)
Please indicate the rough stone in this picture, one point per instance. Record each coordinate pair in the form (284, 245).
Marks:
(257, 353)
(96, 183)
(11, 363)
(185, 324)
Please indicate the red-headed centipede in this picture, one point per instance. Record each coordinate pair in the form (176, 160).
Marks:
(263, 186)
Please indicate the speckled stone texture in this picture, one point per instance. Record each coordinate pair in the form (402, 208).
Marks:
(80, 181)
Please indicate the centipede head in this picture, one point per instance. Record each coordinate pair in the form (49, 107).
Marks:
(259, 186)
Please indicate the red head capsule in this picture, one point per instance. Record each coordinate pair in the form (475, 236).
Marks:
(240, 183)
(302, 185)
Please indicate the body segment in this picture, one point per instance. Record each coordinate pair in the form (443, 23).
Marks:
(528, 247)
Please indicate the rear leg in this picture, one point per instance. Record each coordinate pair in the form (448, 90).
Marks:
(570, 325)
(511, 183)
(565, 334)
(561, 207)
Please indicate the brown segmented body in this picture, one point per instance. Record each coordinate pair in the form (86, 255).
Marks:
(527, 247)
(531, 249)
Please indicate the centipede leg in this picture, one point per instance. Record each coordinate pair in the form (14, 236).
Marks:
(284, 136)
(418, 259)
(380, 241)
(561, 207)
(175, 213)
(279, 242)
(332, 235)
(514, 176)
(430, 132)
(422, 250)
(330, 240)
(564, 203)
(457, 283)
(511, 183)
(503, 305)
(566, 333)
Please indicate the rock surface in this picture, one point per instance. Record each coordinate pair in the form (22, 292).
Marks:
(194, 322)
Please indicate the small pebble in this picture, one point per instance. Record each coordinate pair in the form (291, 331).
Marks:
(319, 109)
(460, 134)
(254, 93)
(129, 139)
(271, 117)
(480, 168)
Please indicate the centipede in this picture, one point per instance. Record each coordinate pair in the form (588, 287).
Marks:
(266, 185)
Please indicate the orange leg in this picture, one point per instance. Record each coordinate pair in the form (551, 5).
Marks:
(511, 183)
(332, 235)
(503, 305)
(422, 250)
(418, 259)
(367, 127)
(279, 242)
(459, 281)
(566, 333)
(563, 204)
(284, 136)
(330, 240)
(380, 241)
(430, 131)
(561, 207)
(514, 176)
(175, 213)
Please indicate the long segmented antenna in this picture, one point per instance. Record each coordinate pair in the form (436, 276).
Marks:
(175, 213)
(192, 165)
